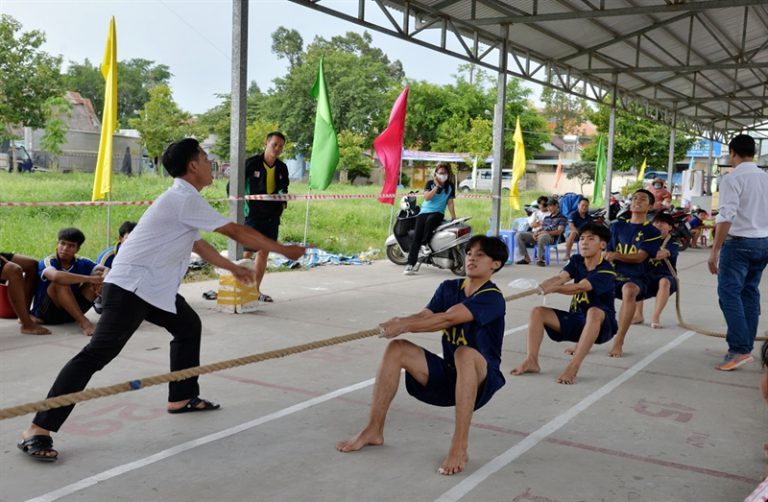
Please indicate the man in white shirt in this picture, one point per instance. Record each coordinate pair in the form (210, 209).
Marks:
(740, 251)
(143, 285)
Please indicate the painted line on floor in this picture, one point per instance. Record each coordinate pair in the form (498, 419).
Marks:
(501, 461)
(167, 453)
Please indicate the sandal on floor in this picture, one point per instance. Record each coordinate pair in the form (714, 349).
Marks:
(210, 295)
(36, 446)
(192, 405)
(265, 298)
(656, 325)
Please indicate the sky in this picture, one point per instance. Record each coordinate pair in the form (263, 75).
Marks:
(193, 37)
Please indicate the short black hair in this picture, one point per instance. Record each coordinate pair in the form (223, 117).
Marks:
(699, 211)
(276, 133)
(582, 199)
(126, 228)
(553, 202)
(492, 246)
(742, 145)
(664, 218)
(179, 154)
(650, 195)
(542, 198)
(72, 234)
(600, 231)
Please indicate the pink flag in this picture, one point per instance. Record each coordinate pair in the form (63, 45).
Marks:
(559, 172)
(389, 147)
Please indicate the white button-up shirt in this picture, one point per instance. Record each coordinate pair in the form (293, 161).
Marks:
(154, 259)
(744, 201)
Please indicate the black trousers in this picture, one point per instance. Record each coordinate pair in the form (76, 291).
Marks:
(123, 313)
(426, 223)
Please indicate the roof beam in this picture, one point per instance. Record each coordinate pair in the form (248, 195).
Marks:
(624, 11)
(681, 69)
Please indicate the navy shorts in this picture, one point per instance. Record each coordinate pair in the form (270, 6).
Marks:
(51, 314)
(441, 384)
(265, 226)
(652, 285)
(572, 324)
(637, 281)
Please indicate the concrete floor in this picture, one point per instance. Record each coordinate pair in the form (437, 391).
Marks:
(660, 424)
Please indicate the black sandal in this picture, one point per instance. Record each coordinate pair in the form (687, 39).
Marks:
(35, 446)
(192, 405)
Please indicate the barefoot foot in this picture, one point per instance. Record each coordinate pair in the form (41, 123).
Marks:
(455, 461)
(34, 329)
(616, 351)
(366, 437)
(568, 377)
(570, 350)
(638, 320)
(529, 366)
(87, 327)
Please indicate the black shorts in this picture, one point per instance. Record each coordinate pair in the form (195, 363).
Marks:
(572, 324)
(637, 281)
(265, 226)
(7, 256)
(51, 314)
(441, 384)
(652, 285)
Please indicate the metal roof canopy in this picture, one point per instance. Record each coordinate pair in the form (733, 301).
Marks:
(703, 61)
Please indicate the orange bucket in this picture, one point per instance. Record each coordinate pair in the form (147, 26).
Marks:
(6, 310)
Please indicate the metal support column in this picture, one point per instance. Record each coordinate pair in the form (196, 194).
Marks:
(237, 117)
(671, 159)
(710, 160)
(611, 137)
(498, 133)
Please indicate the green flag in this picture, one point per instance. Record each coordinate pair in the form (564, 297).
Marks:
(325, 148)
(601, 169)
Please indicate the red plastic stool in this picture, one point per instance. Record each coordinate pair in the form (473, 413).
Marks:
(6, 310)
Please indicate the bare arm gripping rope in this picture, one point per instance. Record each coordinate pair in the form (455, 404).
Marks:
(174, 376)
(680, 321)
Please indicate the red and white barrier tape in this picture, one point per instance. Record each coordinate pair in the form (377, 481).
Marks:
(278, 197)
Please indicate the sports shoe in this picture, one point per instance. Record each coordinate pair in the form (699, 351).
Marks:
(409, 270)
(731, 361)
(97, 305)
(425, 249)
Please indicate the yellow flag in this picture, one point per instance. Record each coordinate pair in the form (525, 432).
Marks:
(518, 166)
(642, 171)
(102, 181)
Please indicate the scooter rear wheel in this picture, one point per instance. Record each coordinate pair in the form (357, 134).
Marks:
(395, 255)
(458, 262)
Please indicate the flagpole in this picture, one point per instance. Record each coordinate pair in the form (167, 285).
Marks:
(109, 215)
(306, 216)
(394, 197)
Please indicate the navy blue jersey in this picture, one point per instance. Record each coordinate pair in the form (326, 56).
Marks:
(485, 333)
(82, 266)
(658, 268)
(602, 279)
(107, 256)
(630, 238)
(578, 221)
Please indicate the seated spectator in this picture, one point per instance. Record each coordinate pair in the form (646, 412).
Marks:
(662, 197)
(537, 217)
(576, 220)
(20, 274)
(68, 284)
(552, 227)
(108, 255)
(697, 226)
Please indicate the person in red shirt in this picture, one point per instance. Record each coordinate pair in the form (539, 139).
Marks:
(661, 194)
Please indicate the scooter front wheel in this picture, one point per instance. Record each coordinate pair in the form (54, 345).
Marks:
(396, 255)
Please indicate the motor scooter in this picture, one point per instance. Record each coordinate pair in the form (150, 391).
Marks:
(446, 245)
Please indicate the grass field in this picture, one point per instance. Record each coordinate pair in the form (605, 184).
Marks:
(341, 226)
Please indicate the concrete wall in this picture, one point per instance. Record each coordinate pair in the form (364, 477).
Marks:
(81, 151)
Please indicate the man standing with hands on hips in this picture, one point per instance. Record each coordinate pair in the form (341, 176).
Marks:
(740, 250)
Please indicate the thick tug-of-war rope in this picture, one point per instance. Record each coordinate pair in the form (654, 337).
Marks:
(678, 311)
(174, 376)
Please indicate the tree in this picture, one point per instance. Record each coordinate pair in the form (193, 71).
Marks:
(359, 77)
(135, 77)
(29, 77)
(351, 155)
(256, 135)
(217, 119)
(565, 110)
(582, 171)
(55, 133)
(636, 138)
(287, 44)
(161, 121)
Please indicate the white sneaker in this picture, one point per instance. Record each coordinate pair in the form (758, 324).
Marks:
(425, 250)
(409, 270)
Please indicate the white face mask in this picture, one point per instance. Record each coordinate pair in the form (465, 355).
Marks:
(442, 178)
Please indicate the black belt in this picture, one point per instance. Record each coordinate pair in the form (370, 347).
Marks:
(740, 238)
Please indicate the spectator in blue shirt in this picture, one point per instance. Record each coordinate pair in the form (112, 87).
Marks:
(68, 285)
(576, 220)
(107, 256)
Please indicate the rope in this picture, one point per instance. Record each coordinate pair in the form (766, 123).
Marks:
(174, 376)
(680, 321)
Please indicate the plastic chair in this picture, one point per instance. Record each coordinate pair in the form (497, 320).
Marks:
(547, 253)
(508, 237)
